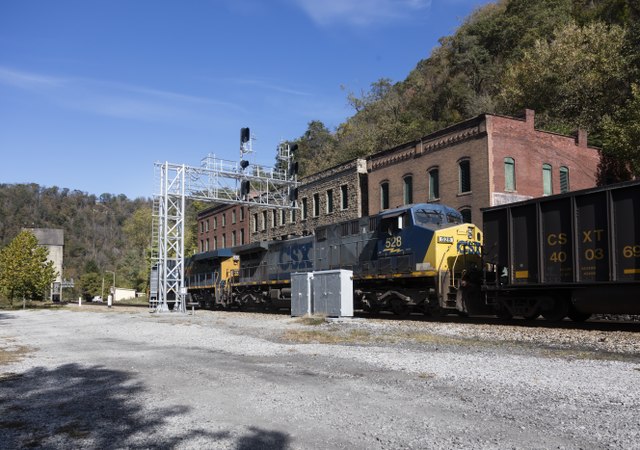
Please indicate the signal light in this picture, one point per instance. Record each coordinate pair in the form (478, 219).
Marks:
(293, 148)
(293, 195)
(293, 169)
(245, 187)
(244, 135)
(244, 164)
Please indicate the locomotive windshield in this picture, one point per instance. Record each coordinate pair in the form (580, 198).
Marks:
(425, 218)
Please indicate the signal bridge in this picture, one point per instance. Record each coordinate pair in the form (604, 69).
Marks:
(217, 181)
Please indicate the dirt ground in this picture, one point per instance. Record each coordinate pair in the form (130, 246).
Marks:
(90, 377)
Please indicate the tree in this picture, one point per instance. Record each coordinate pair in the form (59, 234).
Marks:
(25, 271)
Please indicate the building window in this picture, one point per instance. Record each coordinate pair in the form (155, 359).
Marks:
(241, 213)
(233, 216)
(202, 227)
(547, 180)
(224, 240)
(264, 220)
(274, 217)
(201, 245)
(254, 225)
(242, 236)
(329, 201)
(434, 184)
(407, 190)
(233, 238)
(215, 223)
(464, 167)
(215, 243)
(292, 216)
(509, 174)
(466, 215)
(206, 245)
(344, 197)
(384, 195)
(316, 205)
(305, 210)
(224, 219)
(283, 217)
(564, 179)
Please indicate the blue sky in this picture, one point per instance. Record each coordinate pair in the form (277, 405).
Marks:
(92, 93)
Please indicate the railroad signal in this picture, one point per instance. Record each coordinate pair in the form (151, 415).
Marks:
(293, 169)
(244, 135)
(245, 187)
(244, 164)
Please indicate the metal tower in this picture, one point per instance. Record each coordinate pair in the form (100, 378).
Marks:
(218, 181)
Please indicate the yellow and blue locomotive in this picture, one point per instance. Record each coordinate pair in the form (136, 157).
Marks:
(420, 257)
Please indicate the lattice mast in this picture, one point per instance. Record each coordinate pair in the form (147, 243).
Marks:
(217, 181)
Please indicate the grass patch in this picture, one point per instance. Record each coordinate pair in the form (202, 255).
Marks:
(8, 356)
(29, 304)
(311, 320)
(334, 336)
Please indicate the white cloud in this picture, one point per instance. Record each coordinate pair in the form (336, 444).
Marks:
(360, 12)
(26, 80)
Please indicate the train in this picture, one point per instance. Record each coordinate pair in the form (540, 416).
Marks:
(568, 255)
(417, 258)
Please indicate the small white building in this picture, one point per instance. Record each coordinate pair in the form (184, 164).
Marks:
(124, 294)
(53, 240)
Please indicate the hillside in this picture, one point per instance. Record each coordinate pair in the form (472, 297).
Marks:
(576, 62)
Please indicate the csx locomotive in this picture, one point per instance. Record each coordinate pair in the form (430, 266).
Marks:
(420, 257)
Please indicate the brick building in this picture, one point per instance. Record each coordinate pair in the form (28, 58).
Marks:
(484, 161)
(223, 226)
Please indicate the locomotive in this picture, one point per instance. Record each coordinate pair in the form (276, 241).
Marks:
(417, 258)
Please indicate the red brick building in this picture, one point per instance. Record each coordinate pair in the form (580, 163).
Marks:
(484, 161)
(223, 226)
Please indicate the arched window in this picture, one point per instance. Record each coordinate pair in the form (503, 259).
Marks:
(408, 189)
(547, 181)
(466, 214)
(434, 184)
(464, 167)
(509, 174)
(564, 179)
(384, 195)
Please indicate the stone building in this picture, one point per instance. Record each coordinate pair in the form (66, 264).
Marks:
(484, 161)
(53, 240)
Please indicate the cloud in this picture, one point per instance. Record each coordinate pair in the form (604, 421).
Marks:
(360, 13)
(115, 99)
(266, 84)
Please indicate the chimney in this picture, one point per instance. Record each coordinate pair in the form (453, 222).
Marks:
(530, 116)
(581, 138)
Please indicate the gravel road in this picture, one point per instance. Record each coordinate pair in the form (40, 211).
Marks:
(91, 377)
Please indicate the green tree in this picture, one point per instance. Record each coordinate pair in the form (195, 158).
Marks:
(24, 269)
(622, 139)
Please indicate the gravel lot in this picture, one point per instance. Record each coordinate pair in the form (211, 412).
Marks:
(125, 378)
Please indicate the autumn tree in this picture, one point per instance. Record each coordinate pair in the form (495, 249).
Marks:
(25, 271)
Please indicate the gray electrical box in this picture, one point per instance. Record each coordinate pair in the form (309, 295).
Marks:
(332, 293)
(301, 300)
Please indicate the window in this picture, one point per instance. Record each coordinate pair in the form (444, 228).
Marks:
(329, 201)
(274, 217)
(509, 174)
(254, 225)
(201, 227)
(215, 243)
(283, 217)
(292, 216)
(206, 245)
(466, 215)
(434, 184)
(215, 223)
(316, 205)
(224, 240)
(384, 195)
(264, 220)
(233, 239)
(233, 216)
(242, 236)
(465, 176)
(201, 245)
(224, 219)
(206, 225)
(344, 196)
(547, 185)
(241, 213)
(305, 210)
(407, 190)
(564, 179)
